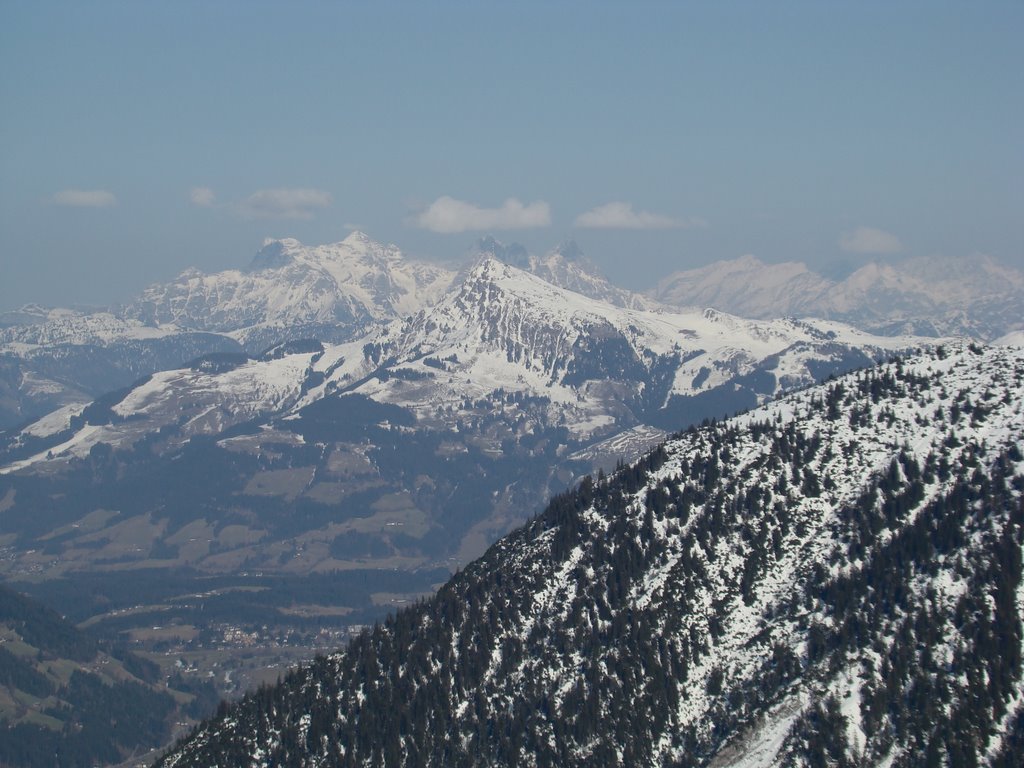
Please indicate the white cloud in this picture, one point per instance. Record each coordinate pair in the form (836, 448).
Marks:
(622, 216)
(447, 215)
(202, 196)
(85, 198)
(869, 240)
(284, 203)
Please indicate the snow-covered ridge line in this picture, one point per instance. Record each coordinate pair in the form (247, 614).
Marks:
(974, 296)
(759, 591)
(355, 282)
(597, 368)
(334, 293)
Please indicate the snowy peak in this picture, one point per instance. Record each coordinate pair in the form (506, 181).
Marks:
(566, 266)
(334, 291)
(975, 296)
(357, 238)
(492, 271)
(355, 252)
(506, 305)
(503, 307)
(602, 367)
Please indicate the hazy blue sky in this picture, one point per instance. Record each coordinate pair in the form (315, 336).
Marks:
(140, 138)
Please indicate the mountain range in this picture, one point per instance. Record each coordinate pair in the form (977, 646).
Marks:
(302, 480)
(834, 578)
(257, 463)
(976, 297)
(56, 357)
(51, 358)
(332, 292)
(506, 369)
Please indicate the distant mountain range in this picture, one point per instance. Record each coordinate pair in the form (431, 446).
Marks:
(330, 292)
(506, 370)
(975, 297)
(834, 578)
(50, 358)
(53, 358)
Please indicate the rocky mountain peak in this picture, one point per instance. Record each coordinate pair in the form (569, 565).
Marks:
(357, 238)
(569, 250)
(513, 253)
(274, 254)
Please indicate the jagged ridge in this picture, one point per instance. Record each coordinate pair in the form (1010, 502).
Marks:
(600, 364)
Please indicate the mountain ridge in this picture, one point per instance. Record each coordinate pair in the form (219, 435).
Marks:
(974, 296)
(52, 358)
(520, 383)
(600, 367)
(677, 613)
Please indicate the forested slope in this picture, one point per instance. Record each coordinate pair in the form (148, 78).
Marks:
(834, 578)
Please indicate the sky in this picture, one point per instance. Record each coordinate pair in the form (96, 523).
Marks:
(138, 139)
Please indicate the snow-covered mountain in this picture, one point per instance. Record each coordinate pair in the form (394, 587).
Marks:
(335, 292)
(33, 326)
(832, 579)
(566, 267)
(343, 291)
(331, 292)
(526, 382)
(596, 368)
(51, 358)
(974, 296)
(599, 365)
(763, 290)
